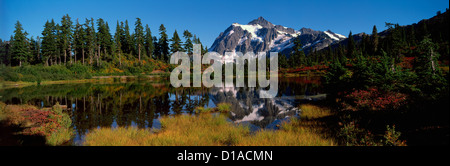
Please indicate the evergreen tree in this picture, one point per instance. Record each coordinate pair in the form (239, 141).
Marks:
(104, 42)
(117, 42)
(163, 43)
(188, 44)
(156, 50)
(79, 42)
(336, 79)
(298, 56)
(59, 45)
(282, 61)
(365, 44)
(3, 49)
(395, 41)
(430, 78)
(330, 56)
(90, 39)
(65, 36)
(127, 41)
(374, 40)
(412, 36)
(139, 38)
(148, 41)
(48, 48)
(35, 50)
(175, 46)
(197, 41)
(350, 46)
(20, 48)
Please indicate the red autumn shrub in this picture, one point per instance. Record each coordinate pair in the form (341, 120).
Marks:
(42, 122)
(372, 99)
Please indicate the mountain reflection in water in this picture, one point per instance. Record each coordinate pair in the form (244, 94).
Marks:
(141, 103)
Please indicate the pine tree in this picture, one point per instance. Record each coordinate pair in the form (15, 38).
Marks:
(48, 48)
(90, 39)
(163, 43)
(117, 42)
(197, 41)
(395, 41)
(282, 60)
(20, 49)
(298, 56)
(127, 41)
(365, 44)
(148, 41)
(429, 77)
(175, 46)
(412, 37)
(79, 42)
(66, 31)
(35, 50)
(350, 46)
(139, 38)
(108, 40)
(59, 44)
(188, 44)
(336, 79)
(156, 50)
(374, 40)
(104, 42)
(2, 52)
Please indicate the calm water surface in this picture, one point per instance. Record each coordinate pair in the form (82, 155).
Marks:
(141, 103)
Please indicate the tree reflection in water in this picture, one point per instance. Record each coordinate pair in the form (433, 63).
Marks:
(141, 103)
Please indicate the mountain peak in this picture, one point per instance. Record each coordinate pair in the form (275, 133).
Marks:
(261, 21)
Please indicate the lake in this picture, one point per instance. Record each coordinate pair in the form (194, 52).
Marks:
(140, 103)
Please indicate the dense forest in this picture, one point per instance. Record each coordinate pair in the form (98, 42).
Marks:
(71, 47)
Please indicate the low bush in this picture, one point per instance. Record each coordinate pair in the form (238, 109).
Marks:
(53, 124)
(372, 99)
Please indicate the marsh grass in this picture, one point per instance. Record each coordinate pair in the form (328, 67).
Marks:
(224, 107)
(221, 107)
(203, 109)
(309, 111)
(207, 130)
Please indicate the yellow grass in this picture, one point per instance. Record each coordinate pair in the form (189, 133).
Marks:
(206, 130)
(309, 111)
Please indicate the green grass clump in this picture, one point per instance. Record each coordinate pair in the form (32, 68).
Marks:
(224, 107)
(203, 109)
(221, 107)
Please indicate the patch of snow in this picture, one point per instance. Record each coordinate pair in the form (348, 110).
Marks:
(242, 40)
(340, 36)
(330, 35)
(231, 32)
(252, 29)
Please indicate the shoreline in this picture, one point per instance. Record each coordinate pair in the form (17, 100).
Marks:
(21, 84)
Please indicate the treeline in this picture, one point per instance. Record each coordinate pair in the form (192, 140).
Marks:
(91, 43)
(397, 41)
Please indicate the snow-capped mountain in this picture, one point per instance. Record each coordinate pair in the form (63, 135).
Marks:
(260, 35)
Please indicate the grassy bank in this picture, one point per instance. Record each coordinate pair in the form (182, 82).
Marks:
(28, 125)
(73, 73)
(214, 130)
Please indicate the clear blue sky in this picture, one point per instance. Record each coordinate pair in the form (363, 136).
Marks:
(207, 19)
